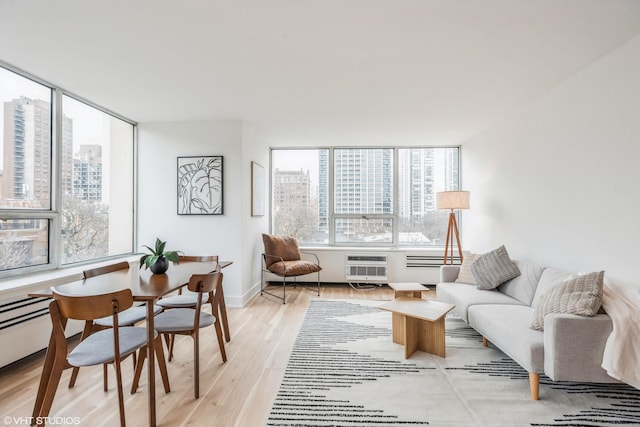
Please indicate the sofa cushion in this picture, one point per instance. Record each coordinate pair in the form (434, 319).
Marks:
(493, 268)
(580, 295)
(549, 278)
(463, 296)
(507, 327)
(523, 287)
(465, 275)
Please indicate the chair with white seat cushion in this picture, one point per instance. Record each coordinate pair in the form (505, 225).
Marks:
(188, 299)
(129, 317)
(101, 347)
(188, 321)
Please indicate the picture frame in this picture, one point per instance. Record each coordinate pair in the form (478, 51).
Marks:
(257, 190)
(200, 185)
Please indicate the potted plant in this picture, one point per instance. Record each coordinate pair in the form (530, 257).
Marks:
(158, 259)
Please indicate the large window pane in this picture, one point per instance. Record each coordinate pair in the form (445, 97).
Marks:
(25, 157)
(25, 171)
(372, 203)
(363, 180)
(300, 189)
(421, 173)
(23, 243)
(97, 183)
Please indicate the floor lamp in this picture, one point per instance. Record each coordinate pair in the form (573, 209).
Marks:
(452, 200)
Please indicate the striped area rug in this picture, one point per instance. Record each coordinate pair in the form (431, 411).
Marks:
(345, 371)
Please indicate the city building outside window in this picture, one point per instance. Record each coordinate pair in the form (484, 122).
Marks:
(53, 215)
(374, 197)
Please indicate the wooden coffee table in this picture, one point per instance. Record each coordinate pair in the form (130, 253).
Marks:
(407, 290)
(418, 324)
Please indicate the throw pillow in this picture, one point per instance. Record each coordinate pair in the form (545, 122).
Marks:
(494, 268)
(281, 246)
(579, 295)
(465, 275)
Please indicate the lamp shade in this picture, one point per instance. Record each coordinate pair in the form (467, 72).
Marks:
(452, 200)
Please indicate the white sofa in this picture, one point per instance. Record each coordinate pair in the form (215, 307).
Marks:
(569, 349)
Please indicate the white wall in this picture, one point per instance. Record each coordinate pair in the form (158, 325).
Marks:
(557, 182)
(256, 150)
(226, 235)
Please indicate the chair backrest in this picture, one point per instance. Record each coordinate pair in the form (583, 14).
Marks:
(124, 265)
(91, 307)
(204, 283)
(285, 247)
(194, 258)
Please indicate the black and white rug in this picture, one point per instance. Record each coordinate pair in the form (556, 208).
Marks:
(345, 371)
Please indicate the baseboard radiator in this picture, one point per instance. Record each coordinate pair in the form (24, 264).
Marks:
(18, 310)
(366, 268)
(429, 261)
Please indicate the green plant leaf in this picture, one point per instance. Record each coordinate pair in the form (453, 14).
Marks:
(151, 259)
(160, 246)
(150, 250)
(172, 256)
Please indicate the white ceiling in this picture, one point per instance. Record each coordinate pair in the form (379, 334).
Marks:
(401, 71)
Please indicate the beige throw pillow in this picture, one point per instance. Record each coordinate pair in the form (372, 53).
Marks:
(465, 275)
(494, 268)
(579, 295)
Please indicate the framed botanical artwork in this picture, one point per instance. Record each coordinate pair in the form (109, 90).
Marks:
(257, 189)
(200, 185)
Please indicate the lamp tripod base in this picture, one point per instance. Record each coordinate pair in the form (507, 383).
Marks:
(452, 230)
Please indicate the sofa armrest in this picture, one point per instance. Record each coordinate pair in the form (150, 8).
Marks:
(574, 345)
(449, 273)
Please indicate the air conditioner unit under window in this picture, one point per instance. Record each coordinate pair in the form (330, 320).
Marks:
(369, 268)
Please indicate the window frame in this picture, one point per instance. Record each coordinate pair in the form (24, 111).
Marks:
(333, 216)
(53, 214)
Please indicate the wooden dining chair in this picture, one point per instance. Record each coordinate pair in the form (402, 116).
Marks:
(188, 321)
(128, 317)
(101, 347)
(189, 299)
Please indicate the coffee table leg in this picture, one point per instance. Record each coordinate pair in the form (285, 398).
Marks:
(432, 338)
(411, 335)
(397, 327)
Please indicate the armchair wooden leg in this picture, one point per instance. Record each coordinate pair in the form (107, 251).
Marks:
(162, 364)
(218, 327)
(140, 362)
(52, 386)
(534, 385)
(172, 339)
(196, 365)
(105, 374)
(485, 343)
(118, 369)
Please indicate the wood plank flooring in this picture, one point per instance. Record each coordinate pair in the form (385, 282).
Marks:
(236, 393)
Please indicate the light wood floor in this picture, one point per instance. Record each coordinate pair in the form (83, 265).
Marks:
(237, 393)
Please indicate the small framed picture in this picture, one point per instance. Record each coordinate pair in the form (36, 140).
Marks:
(200, 185)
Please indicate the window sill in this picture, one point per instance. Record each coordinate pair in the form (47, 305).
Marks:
(19, 286)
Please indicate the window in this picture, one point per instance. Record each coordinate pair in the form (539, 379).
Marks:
(299, 198)
(97, 176)
(59, 201)
(379, 196)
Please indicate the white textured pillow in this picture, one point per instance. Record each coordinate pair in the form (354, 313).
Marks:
(579, 295)
(465, 275)
(494, 268)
